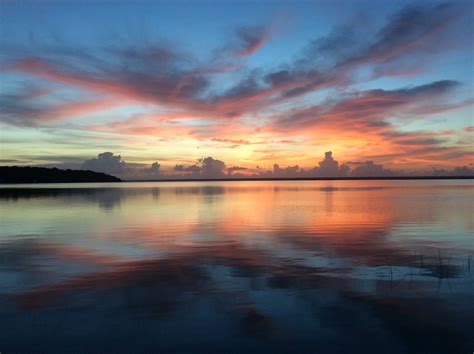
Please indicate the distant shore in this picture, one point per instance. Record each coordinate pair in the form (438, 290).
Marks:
(35, 175)
(302, 179)
(258, 179)
(19, 175)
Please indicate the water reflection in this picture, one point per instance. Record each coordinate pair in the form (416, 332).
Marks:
(238, 266)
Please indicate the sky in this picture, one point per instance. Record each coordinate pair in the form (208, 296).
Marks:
(161, 86)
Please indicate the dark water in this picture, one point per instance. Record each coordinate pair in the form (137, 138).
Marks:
(298, 267)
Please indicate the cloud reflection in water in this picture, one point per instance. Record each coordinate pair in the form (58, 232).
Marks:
(257, 266)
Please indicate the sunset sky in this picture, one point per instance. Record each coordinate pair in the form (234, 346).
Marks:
(251, 83)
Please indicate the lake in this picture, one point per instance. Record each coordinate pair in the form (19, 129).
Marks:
(252, 266)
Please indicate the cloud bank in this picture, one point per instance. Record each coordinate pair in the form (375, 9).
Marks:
(211, 168)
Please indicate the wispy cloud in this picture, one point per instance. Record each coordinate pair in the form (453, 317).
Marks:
(225, 101)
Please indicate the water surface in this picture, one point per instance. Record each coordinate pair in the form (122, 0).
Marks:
(266, 266)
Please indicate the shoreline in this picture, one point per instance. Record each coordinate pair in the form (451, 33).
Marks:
(394, 178)
(303, 179)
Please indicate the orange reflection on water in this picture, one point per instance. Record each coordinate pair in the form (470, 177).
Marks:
(239, 259)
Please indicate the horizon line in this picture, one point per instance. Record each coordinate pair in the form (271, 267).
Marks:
(298, 179)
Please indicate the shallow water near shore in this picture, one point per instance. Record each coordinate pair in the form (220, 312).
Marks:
(247, 266)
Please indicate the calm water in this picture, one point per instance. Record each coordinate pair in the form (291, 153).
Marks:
(300, 267)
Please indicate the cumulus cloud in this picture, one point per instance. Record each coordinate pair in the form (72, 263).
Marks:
(370, 169)
(455, 172)
(286, 172)
(107, 162)
(205, 168)
(236, 170)
(211, 168)
(153, 170)
(330, 167)
(193, 169)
